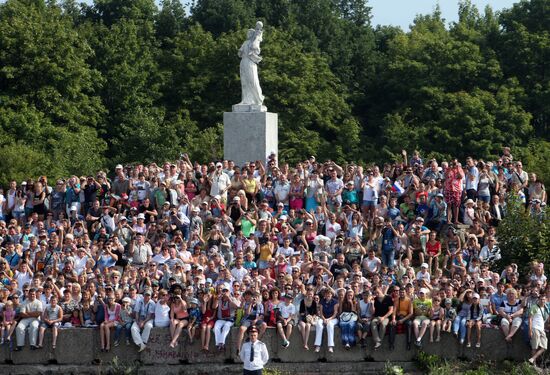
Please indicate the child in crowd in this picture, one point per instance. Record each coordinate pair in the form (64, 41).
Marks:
(475, 319)
(436, 319)
(76, 318)
(285, 319)
(125, 322)
(449, 315)
(194, 318)
(88, 315)
(51, 318)
(8, 322)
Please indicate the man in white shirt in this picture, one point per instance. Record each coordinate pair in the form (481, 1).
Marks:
(220, 183)
(282, 190)
(239, 272)
(30, 313)
(254, 354)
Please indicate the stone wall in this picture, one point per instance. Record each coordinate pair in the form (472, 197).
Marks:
(80, 346)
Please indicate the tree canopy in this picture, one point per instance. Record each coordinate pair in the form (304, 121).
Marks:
(86, 86)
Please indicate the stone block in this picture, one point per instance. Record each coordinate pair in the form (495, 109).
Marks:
(158, 349)
(86, 340)
(194, 354)
(249, 136)
(296, 352)
(341, 354)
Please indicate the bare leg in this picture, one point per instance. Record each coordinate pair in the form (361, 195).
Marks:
(54, 336)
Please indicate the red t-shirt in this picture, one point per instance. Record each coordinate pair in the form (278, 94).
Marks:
(433, 249)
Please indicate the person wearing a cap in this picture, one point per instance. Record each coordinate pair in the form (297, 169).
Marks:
(219, 182)
(253, 354)
(475, 319)
(285, 319)
(144, 311)
(253, 315)
(225, 306)
(126, 321)
(418, 236)
(139, 250)
(469, 212)
(422, 307)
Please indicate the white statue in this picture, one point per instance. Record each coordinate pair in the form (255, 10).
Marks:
(250, 57)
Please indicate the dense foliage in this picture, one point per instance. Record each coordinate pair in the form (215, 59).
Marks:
(86, 86)
(523, 237)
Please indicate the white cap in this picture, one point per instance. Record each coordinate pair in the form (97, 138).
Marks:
(141, 216)
(475, 295)
(218, 164)
(424, 265)
(423, 291)
(74, 207)
(119, 166)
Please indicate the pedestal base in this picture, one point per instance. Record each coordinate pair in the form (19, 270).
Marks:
(249, 136)
(248, 108)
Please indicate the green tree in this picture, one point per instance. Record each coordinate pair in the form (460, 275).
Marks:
(523, 238)
(524, 49)
(49, 105)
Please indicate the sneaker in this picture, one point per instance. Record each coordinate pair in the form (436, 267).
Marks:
(17, 348)
(417, 343)
(377, 345)
(127, 342)
(461, 341)
(317, 349)
(330, 349)
(348, 347)
(478, 345)
(438, 339)
(115, 343)
(142, 347)
(468, 345)
(286, 344)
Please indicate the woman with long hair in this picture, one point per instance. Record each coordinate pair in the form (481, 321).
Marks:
(348, 314)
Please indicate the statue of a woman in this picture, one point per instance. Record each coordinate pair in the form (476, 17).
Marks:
(250, 57)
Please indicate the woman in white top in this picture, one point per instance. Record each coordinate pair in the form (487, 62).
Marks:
(162, 310)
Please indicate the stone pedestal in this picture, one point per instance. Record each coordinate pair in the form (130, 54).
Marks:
(249, 136)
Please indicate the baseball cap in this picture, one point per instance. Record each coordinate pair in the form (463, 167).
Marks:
(423, 291)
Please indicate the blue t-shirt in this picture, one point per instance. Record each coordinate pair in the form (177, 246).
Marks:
(328, 306)
(387, 239)
(393, 212)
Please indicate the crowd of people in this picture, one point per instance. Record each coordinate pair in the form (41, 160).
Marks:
(402, 248)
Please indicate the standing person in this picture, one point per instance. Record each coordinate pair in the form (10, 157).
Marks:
(31, 312)
(537, 318)
(453, 190)
(254, 354)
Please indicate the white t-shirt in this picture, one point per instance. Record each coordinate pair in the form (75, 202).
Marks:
(332, 229)
(162, 315)
(239, 273)
(286, 251)
(286, 310)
